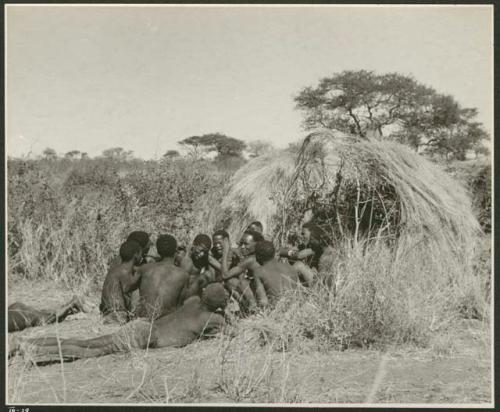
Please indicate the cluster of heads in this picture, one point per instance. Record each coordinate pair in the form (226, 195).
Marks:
(252, 241)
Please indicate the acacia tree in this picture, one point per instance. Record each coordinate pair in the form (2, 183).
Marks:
(49, 153)
(117, 153)
(214, 142)
(171, 154)
(71, 154)
(391, 106)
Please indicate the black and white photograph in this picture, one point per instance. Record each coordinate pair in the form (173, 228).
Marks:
(261, 205)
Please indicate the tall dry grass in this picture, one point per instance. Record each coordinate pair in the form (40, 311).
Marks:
(66, 220)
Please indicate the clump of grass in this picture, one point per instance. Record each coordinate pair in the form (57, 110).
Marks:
(369, 295)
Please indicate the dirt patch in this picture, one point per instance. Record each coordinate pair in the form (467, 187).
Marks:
(454, 370)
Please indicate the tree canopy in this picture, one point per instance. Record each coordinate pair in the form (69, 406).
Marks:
(117, 153)
(391, 106)
(214, 142)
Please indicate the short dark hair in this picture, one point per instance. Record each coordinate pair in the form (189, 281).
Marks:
(140, 237)
(258, 224)
(166, 245)
(202, 240)
(221, 232)
(255, 235)
(129, 249)
(264, 250)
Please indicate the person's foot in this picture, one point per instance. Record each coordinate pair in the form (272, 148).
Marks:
(80, 305)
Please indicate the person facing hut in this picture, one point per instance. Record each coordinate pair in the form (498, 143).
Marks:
(198, 317)
(119, 283)
(275, 277)
(256, 227)
(21, 316)
(161, 282)
(144, 241)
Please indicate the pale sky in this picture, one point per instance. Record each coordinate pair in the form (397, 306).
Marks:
(142, 78)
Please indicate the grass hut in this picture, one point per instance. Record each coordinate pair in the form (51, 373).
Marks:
(354, 189)
(403, 230)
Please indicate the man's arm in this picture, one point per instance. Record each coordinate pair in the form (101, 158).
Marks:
(260, 292)
(132, 281)
(296, 254)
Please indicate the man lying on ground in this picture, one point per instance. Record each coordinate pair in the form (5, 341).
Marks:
(161, 282)
(119, 283)
(196, 318)
(21, 316)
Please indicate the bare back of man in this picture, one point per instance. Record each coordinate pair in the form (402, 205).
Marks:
(160, 289)
(274, 276)
(277, 277)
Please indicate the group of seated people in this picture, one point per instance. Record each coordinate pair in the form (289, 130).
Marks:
(183, 291)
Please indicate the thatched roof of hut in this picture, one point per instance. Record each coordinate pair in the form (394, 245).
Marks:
(358, 189)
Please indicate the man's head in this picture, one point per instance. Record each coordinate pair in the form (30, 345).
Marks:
(214, 297)
(131, 251)
(248, 240)
(256, 226)
(142, 238)
(199, 250)
(312, 234)
(264, 251)
(218, 241)
(166, 246)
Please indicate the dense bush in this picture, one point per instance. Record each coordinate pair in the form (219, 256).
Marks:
(67, 219)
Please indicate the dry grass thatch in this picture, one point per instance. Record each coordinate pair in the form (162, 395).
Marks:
(356, 190)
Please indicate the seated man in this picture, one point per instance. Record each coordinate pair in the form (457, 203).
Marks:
(276, 277)
(120, 281)
(161, 282)
(315, 242)
(142, 238)
(240, 277)
(196, 263)
(195, 319)
(21, 316)
(216, 254)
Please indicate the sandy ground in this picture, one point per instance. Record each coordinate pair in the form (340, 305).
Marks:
(455, 370)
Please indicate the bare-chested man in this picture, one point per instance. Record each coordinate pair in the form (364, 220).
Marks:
(120, 281)
(196, 318)
(276, 277)
(161, 282)
(314, 243)
(196, 263)
(243, 272)
(22, 316)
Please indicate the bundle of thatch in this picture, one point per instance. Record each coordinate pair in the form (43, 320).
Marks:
(353, 189)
